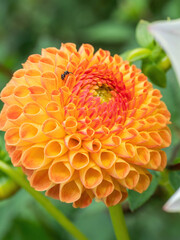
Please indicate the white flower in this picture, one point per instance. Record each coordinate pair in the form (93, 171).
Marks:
(173, 204)
(167, 34)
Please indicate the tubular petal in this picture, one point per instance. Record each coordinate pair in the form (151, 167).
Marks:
(34, 112)
(53, 192)
(104, 158)
(54, 111)
(53, 129)
(7, 95)
(71, 191)
(120, 169)
(73, 142)
(60, 172)
(131, 180)
(40, 180)
(16, 158)
(91, 176)
(33, 157)
(55, 148)
(33, 77)
(115, 197)
(70, 125)
(143, 183)
(32, 133)
(49, 81)
(125, 150)
(111, 142)
(92, 146)
(12, 136)
(22, 94)
(84, 201)
(78, 159)
(18, 77)
(105, 188)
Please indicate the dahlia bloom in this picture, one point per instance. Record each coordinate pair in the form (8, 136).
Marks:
(84, 125)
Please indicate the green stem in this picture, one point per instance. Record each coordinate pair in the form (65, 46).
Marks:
(118, 221)
(54, 212)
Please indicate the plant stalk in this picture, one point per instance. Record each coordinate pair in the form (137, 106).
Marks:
(118, 222)
(53, 211)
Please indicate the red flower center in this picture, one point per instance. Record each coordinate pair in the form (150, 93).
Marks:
(102, 94)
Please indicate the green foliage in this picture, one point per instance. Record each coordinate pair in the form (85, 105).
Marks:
(143, 37)
(96, 216)
(174, 178)
(137, 54)
(7, 187)
(107, 32)
(154, 73)
(136, 199)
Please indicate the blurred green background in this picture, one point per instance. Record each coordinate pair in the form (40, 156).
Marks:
(26, 26)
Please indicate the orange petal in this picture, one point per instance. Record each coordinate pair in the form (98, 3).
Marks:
(73, 141)
(78, 158)
(49, 81)
(120, 169)
(53, 129)
(55, 111)
(131, 180)
(92, 146)
(32, 133)
(34, 112)
(104, 158)
(53, 192)
(16, 158)
(33, 157)
(71, 191)
(115, 197)
(105, 188)
(40, 180)
(55, 148)
(91, 176)
(22, 94)
(60, 171)
(84, 201)
(33, 77)
(125, 150)
(111, 142)
(70, 125)
(39, 95)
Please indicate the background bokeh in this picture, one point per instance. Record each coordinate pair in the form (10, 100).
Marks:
(26, 26)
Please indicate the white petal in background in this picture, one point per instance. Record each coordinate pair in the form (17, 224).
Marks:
(167, 34)
(173, 204)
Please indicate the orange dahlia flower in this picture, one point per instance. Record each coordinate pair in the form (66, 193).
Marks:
(84, 125)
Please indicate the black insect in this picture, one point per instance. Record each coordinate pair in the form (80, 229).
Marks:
(64, 74)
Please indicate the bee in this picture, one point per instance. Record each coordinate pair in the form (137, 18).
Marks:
(64, 74)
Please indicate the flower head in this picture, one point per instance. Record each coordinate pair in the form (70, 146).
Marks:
(84, 125)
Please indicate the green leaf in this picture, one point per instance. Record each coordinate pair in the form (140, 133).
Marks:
(138, 54)
(154, 73)
(138, 199)
(143, 37)
(174, 178)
